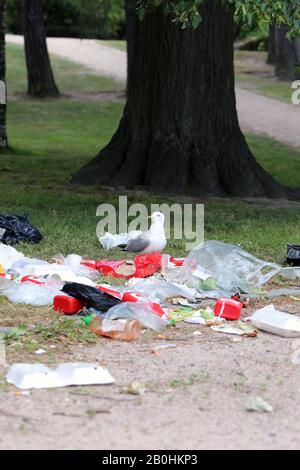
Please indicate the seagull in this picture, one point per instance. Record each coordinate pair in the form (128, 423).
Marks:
(151, 241)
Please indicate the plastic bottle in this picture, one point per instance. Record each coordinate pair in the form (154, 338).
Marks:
(125, 330)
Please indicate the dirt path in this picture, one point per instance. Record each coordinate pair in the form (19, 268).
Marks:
(257, 114)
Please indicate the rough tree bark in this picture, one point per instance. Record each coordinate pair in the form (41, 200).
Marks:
(287, 55)
(41, 83)
(131, 23)
(271, 46)
(179, 133)
(3, 131)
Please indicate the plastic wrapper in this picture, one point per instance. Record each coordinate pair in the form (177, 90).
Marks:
(217, 269)
(16, 228)
(90, 296)
(140, 311)
(143, 266)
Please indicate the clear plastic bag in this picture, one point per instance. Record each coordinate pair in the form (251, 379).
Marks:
(218, 269)
(140, 311)
(29, 293)
(157, 289)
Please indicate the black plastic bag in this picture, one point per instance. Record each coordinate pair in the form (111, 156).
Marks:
(293, 255)
(16, 228)
(92, 297)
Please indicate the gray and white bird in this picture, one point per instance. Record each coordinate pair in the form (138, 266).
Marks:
(151, 241)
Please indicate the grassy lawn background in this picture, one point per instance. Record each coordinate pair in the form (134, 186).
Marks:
(52, 139)
(253, 73)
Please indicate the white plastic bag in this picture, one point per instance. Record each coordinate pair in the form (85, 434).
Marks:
(8, 256)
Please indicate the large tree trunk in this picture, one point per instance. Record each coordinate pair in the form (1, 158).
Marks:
(180, 133)
(131, 24)
(41, 83)
(3, 132)
(287, 55)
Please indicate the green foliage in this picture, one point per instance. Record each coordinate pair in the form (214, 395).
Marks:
(101, 19)
(251, 12)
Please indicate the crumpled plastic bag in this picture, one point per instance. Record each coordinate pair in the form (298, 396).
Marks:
(90, 296)
(16, 228)
(77, 265)
(29, 293)
(157, 289)
(143, 266)
(140, 311)
(9, 256)
(218, 269)
(109, 241)
(293, 255)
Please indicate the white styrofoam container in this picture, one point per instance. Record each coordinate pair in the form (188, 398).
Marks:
(280, 323)
(27, 376)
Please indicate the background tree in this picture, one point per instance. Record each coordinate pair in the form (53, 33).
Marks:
(41, 83)
(286, 54)
(179, 132)
(103, 19)
(3, 132)
(271, 46)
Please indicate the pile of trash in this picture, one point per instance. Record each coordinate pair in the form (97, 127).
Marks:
(210, 287)
(157, 287)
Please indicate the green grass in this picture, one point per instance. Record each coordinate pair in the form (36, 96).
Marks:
(281, 161)
(271, 88)
(115, 44)
(52, 139)
(253, 73)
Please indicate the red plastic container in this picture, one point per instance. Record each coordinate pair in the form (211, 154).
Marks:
(229, 309)
(67, 305)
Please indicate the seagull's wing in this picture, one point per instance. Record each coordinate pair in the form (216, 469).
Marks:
(136, 245)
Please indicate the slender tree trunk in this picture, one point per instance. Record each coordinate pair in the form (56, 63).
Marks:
(180, 133)
(41, 83)
(287, 55)
(3, 132)
(271, 46)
